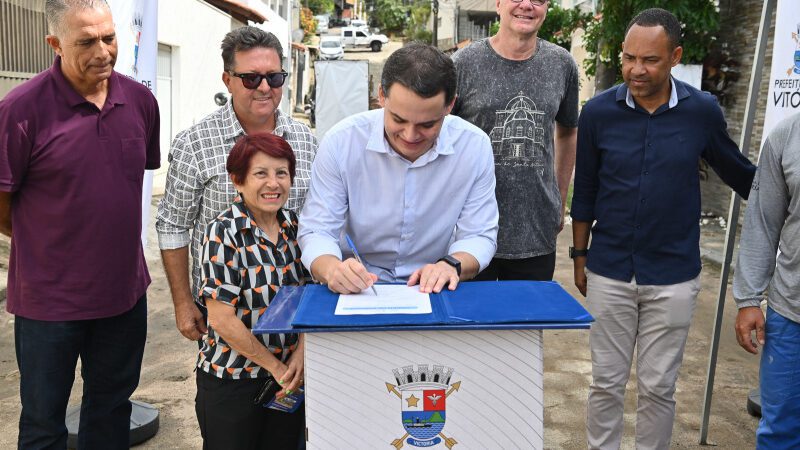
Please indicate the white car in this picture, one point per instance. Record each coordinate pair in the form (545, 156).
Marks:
(358, 23)
(330, 47)
(353, 37)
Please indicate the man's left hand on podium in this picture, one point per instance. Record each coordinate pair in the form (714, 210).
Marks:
(434, 277)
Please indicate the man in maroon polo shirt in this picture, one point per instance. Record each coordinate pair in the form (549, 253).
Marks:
(74, 144)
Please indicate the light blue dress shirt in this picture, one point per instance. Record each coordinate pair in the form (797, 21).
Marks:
(401, 215)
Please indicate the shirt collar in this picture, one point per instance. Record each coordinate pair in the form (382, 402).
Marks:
(377, 141)
(233, 129)
(115, 95)
(243, 220)
(624, 92)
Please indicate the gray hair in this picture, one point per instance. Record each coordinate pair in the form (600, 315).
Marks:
(56, 10)
(247, 38)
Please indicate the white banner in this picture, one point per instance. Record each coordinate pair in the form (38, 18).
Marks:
(136, 23)
(783, 99)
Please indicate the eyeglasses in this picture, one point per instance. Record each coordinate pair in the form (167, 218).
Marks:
(533, 2)
(253, 80)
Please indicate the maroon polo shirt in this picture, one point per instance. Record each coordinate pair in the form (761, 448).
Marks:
(76, 176)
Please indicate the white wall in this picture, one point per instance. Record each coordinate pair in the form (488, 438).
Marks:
(194, 30)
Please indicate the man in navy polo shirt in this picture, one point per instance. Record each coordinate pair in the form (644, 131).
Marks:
(74, 144)
(637, 179)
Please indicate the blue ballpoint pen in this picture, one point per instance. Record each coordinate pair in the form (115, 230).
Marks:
(358, 258)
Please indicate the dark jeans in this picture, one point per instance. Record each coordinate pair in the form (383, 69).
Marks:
(229, 420)
(111, 352)
(538, 268)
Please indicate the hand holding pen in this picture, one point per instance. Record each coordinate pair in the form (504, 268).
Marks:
(357, 257)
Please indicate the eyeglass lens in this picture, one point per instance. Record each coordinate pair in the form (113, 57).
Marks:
(253, 80)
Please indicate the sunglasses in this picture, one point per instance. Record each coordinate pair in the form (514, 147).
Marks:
(533, 2)
(253, 80)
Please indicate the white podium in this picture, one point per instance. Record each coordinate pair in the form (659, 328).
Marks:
(465, 385)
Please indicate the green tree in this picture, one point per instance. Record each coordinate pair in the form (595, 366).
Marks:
(603, 40)
(319, 6)
(419, 14)
(307, 23)
(390, 15)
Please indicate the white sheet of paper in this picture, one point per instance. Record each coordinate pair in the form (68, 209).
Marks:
(391, 299)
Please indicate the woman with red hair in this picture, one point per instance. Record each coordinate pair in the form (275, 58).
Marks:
(249, 251)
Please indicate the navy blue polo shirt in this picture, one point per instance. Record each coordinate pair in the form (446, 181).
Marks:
(637, 178)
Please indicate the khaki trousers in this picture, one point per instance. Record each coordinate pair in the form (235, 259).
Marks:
(655, 320)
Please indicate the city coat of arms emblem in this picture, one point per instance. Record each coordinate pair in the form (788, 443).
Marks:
(423, 394)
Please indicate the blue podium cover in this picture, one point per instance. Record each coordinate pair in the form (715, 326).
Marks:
(473, 305)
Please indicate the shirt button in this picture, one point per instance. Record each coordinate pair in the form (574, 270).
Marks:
(638, 226)
(646, 172)
(643, 200)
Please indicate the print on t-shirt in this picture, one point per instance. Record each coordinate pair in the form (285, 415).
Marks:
(518, 135)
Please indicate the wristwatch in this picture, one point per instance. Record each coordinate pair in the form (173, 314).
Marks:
(574, 252)
(453, 262)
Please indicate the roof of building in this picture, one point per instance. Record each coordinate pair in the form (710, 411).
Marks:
(238, 10)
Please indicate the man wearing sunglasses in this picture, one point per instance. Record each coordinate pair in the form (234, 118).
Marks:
(198, 187)
(531, 114)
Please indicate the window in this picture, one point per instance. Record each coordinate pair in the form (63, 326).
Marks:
(348, 34)
(22, 30)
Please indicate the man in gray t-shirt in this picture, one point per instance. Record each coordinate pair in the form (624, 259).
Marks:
(523, 92)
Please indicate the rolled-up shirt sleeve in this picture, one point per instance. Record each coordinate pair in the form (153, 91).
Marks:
(178, 210)
(476, 228)
(767, 210)
(325, 209)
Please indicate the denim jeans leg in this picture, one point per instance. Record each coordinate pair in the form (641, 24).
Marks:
(47, 353)
(780, 385)
(110, 365)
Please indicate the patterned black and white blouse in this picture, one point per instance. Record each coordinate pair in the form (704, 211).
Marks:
(241, 267)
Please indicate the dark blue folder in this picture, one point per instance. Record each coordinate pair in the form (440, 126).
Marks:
(473, 305)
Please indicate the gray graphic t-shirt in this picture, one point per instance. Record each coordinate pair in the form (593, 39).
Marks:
(517, 104)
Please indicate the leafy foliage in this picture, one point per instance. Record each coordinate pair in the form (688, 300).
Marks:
(419, 14)
(318, 7)
(558, 26)
(603, 40)
(390, 15)
(307, 22)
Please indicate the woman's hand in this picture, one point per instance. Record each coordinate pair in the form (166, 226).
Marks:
(292, 378)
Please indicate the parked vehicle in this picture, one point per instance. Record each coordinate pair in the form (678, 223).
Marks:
(358, 23)
(335, 22)
(322, 24)
(330, 47)
(353, 37)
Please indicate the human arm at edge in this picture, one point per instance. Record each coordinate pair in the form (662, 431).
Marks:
(5, 213)
(580, 240)
(188, 318)
(566, 139)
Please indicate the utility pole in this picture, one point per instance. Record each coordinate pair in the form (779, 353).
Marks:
(435, 11)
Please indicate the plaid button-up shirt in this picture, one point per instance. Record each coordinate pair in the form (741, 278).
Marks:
(198, 187)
